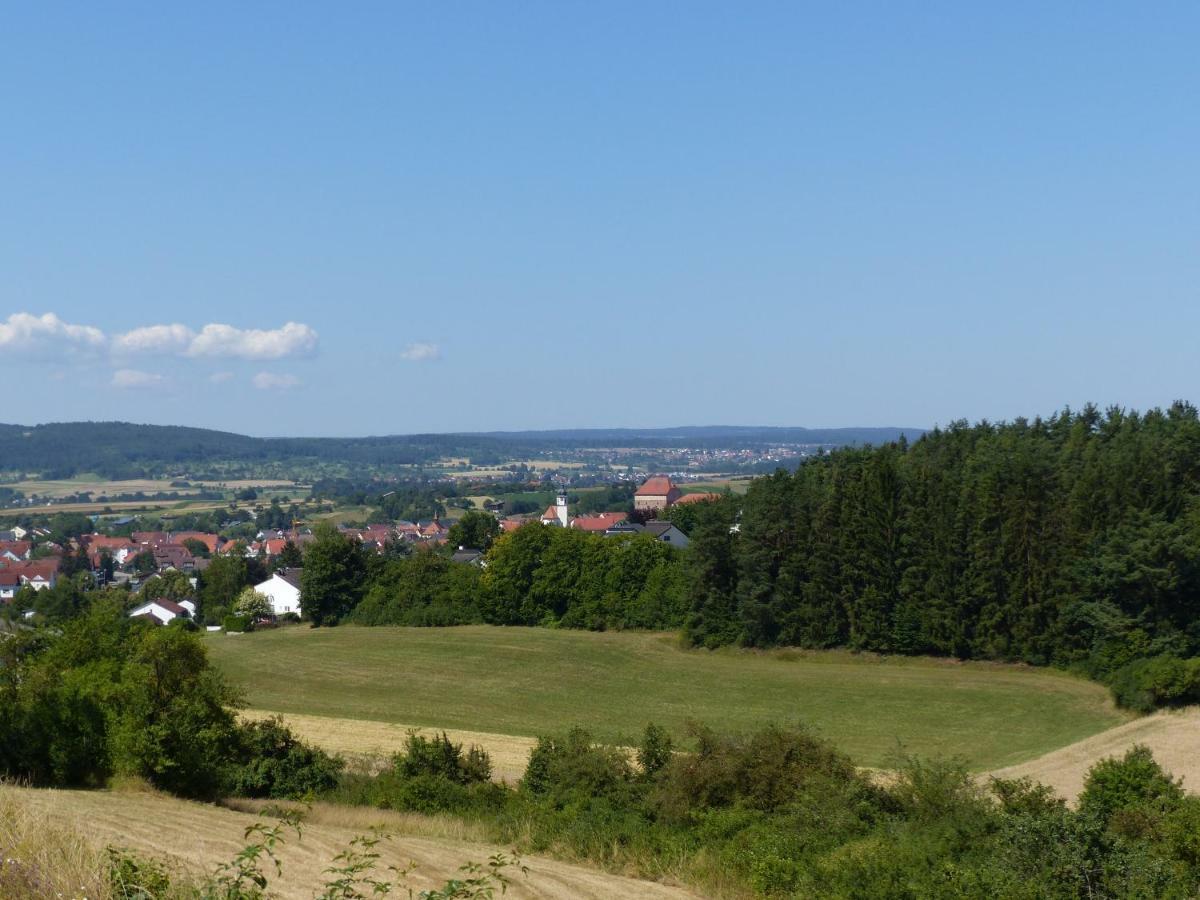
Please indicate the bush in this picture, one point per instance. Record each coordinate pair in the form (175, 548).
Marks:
(1135, 780)
(439, 757)
(1166, 680)
(573, 767)
(273, 762)
(237, 624)
(764, 771)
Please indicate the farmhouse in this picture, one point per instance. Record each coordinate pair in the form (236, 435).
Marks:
(283, 590)
(657, 493)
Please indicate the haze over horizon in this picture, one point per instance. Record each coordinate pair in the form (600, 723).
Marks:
(288, 220)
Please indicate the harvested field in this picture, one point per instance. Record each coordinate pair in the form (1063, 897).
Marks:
(1173, 736)
(370, 745)
(196, 837)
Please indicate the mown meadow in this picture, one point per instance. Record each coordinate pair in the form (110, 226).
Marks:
(531, 681)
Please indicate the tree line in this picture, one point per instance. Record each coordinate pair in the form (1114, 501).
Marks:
(1072, 540)
(536, 575)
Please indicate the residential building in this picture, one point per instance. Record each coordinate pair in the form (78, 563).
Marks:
(666, 532)
(658, 492)
(164, 611)
(283, 591)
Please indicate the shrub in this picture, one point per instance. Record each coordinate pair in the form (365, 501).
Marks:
(439, 757)
(1135, 780)
(235, 624)
(655, 751)
(765, 770)
(573, 767)
(273, 762)
(1166, 680)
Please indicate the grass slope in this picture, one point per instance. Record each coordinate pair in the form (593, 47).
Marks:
(529, 681)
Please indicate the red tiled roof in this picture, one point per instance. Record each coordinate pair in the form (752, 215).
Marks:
(601, 522)
(151, 537)
(551, 512)
(698, 498)
(658, 486)
(102, 541)
(208, 540)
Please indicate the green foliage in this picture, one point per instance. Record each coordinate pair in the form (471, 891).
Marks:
(272, 762)
(168, 586)
(237, 624)
(765, 771)
(1071, 540)
(574, 769)
(220, 583)
(1119, 786)
(106, 694)
(475, 529)
(331, 583)
(538, 575)
(1163, 680)
(423, 589)
(432, 775)
(172, 725)
(250, 604)
(439, 757)
(655, 749)
(133, 877)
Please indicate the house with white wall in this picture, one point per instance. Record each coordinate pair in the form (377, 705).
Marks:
(165, 611)
(283, 590)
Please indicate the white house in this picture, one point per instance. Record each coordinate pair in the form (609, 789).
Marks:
(283, 590)
(164, 610)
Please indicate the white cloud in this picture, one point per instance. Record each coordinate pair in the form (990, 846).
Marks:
(421, 352)
(220, 377)
(23, 331)
(271, 381)
(293, 339)
(219, 341)
(132, 378)
(167, 339)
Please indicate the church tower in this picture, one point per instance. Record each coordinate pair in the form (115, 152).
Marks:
(561, 508)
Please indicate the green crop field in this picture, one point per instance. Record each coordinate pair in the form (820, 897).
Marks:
(530, 681)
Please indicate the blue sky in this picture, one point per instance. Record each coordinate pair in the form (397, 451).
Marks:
(496, 216)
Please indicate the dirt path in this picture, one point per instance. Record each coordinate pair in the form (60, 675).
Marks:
(198, 836)
(1173, 736)
(372, 744)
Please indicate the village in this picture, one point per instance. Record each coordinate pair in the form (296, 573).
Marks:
(31, 561)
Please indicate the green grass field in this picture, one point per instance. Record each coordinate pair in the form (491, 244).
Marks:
(530, 681)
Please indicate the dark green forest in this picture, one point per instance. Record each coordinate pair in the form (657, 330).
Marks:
(1072, 540)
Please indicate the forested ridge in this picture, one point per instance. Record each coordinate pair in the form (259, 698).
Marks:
(1071, 540)
(126, 450)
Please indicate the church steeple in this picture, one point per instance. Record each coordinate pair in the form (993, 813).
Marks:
(561, 507)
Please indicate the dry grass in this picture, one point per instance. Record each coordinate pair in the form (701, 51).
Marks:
(370, 745)
(66, 487)
(43, 856)
(1173, 736)
(196, 837)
